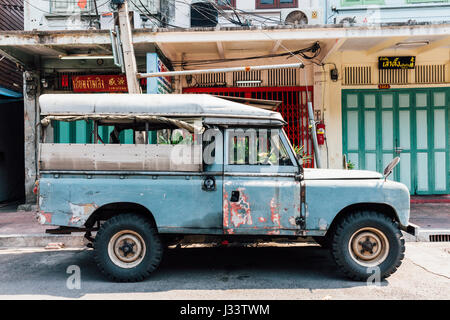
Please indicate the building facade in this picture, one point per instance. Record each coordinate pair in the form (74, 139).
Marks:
(385, 113)
(388, 11)
(97, 14)
(370, 114)
(11, 111)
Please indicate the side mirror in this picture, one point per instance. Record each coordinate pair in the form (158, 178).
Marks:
(390, 167)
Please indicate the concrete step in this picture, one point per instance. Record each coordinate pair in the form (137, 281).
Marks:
(41, 240)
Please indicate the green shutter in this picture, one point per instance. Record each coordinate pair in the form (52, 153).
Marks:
(410, 123)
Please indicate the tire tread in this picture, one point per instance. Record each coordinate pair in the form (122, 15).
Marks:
(129, 218)
(339, 256)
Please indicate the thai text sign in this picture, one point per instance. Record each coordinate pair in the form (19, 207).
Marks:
(100, 83)
(396, 62)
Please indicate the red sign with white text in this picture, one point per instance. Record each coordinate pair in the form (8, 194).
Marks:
(100, 83)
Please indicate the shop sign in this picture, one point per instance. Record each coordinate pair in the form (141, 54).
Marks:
(408, 62)
(100, 83)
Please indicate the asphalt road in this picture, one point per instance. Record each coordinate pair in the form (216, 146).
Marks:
(292, 272)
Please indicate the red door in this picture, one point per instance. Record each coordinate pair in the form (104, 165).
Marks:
(294, 110)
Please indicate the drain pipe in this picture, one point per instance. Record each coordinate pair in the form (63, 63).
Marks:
(312, 124)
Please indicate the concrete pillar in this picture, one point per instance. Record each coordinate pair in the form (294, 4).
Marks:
(31, 92)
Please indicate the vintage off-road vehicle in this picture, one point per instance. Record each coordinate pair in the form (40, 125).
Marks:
(207, 169)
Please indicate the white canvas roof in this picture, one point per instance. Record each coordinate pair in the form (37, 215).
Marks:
(167, 105)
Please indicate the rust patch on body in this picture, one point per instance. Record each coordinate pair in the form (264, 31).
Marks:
(292, 221)
(323, 224)
(225, 210)
(238, 213)
(44, 217)
(275, 212)
(230, 231)
(81, 212)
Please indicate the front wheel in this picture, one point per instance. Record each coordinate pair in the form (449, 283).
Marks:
(366, 244)
(127, 248)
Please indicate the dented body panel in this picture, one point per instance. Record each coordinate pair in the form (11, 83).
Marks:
(175, 201)
(264, 206)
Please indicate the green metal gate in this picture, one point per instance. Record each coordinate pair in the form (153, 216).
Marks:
(379, 125)
(82, 132)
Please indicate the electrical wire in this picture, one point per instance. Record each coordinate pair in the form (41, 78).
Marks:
(224, 14)
(217, 10)
(313, 48)
(200, 12)
(149, 15)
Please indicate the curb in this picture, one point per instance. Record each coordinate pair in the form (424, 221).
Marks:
(40, 240)
(433, 235)
(428, 201)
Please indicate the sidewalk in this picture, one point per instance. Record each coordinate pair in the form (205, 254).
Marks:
(21, 228)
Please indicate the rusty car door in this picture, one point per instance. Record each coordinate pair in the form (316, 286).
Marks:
(261, 194)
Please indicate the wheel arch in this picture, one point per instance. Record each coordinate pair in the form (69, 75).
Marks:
(110, 210)
(364, 206)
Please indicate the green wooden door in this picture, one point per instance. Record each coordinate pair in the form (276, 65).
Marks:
(379, 125)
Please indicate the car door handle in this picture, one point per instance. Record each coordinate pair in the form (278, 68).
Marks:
(234, 196)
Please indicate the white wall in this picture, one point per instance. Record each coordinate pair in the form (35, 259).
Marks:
(42, 15)
(390, 11)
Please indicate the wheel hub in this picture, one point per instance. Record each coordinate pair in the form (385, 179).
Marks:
(126, 249)
(368, 247)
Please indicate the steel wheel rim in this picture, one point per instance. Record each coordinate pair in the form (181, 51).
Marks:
(368, 247)
(126, 249)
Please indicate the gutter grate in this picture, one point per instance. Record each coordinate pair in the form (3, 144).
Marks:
(439, 237)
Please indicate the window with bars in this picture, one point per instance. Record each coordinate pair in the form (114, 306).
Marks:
(226, 4)
(354, 75)
(430, 73)
(394, 76)
(274, 4)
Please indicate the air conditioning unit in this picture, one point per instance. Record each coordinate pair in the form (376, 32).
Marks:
(301, 16)
(138, 20)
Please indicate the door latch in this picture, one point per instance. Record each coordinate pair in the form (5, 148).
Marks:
(209, 183)
(234, 196)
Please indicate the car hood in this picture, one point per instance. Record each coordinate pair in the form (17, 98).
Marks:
(340, 174)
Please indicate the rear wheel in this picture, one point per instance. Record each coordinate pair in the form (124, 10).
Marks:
(367, 243)
(127, 248)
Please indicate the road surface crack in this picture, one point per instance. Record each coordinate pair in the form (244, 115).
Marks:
(422, 267)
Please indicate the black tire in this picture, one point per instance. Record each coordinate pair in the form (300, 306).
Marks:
(348, 237)
(127, 234)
